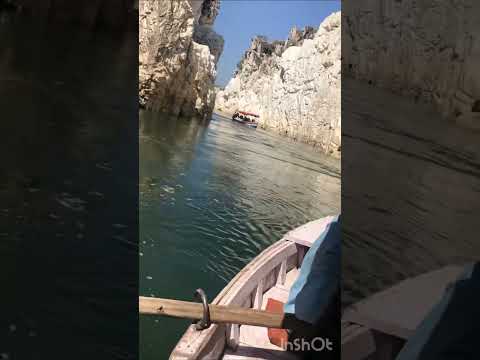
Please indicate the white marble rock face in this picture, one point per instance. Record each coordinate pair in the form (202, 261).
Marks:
(427, 50)
(295, 87)
(178, 53)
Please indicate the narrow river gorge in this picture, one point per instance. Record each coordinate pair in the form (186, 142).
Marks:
(211, 198)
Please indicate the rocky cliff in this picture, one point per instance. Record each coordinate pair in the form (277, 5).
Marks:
(294, 85)
(178, 53)
(427, 50)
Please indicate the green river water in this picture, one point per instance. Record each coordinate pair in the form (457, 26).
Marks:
(211, 198)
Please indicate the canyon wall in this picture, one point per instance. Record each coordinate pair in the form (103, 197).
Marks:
(424, 49)
(294, 85)
(178, 53)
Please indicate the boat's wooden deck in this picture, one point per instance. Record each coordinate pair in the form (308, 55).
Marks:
(253, 341)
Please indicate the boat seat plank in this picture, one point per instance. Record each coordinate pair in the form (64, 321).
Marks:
(292, 275)
(278, 293)
(399, 310)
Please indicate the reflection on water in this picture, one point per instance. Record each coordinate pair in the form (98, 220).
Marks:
(211, 198)
(415, 181)
(68, 192)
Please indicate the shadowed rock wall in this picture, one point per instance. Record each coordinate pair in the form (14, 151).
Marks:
(425, 49)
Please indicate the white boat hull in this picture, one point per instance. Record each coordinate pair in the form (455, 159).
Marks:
(269, 275)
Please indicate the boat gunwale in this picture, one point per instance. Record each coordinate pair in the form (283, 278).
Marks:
(360, 331)
(272, 256)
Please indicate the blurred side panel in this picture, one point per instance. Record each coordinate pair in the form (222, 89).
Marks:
(68, 183)
(410, 158)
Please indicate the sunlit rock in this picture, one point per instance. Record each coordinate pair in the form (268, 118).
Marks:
(293, 85)
(178, 53)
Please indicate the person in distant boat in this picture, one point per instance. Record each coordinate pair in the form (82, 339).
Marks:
(314, 299)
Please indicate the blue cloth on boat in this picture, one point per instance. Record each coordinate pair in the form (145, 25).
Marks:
(319, 276)
(452, 328)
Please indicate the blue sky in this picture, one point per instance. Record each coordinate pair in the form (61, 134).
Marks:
(240, 20)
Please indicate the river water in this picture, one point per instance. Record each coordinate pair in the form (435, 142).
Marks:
(68, 191)
(410, 190)
(211, 198)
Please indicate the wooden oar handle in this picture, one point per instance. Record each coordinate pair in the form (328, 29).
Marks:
(218, 313)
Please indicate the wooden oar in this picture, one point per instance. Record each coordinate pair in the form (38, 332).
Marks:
(218, 313)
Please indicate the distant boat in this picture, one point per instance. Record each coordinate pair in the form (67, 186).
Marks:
(245, 118)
